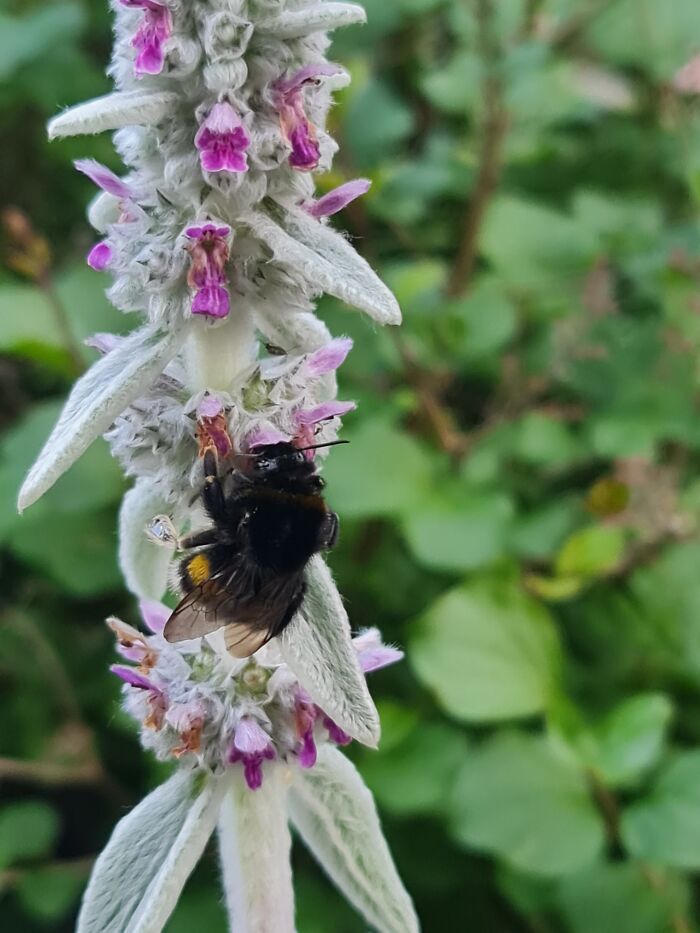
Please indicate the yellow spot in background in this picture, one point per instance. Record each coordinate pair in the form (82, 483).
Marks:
(199, 569)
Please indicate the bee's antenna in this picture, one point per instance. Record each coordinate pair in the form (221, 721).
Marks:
(329, 444)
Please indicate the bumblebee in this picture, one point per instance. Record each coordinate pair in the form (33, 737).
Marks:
(246, 572)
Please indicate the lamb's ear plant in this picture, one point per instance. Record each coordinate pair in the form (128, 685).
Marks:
(215, 240)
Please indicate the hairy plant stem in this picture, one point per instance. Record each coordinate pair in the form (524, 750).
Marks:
(219, 356)
(255, 844)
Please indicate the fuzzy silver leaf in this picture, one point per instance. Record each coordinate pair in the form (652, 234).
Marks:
(96, 399)
(294, 24)
(150, 856)
(112, 112)
(336, 817)
(317, 645)
(325, 259)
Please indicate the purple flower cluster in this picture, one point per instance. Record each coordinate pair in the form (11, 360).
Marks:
(225, 712)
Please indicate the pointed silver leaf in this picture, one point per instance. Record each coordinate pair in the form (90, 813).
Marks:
(294, 24)
(166, 832)
(325, 259)
(317, 645)
(113, 111)
(96, 399)
(335, 815)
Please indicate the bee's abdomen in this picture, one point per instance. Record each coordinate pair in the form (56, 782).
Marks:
(195, 570)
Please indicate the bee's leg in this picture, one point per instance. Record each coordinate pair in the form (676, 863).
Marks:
(213, 493)
(328, 533)
(198, 539)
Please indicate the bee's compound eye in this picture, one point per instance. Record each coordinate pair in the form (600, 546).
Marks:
(299, 456)
(262, 463)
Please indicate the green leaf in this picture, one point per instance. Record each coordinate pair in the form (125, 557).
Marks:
(591, 552)
(93, 482)
(381, 472)
(544, 441)
(49, 893)
(622, 898)
(78, 551)
(488, 318)
(664, 827)
(623, 745)
(376, 120)
(417, 775)
(531, 245)
(458, 532)
(487, 651)
(27, 317)
(23, 40)
(516, 800)
(28, 831)
(631, 738)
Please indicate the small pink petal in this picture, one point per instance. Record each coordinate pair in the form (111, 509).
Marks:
(373, 659)
(196, 233)
(154, 614)
(338, 198)
(104, 178)
(304, 75)
(212, 300)
(328, 358)
(100, 256)
(323, 412)
(250, 738)
(209, 407)
(103, 342)
(687, 79)
(134, 679)
(264, 437)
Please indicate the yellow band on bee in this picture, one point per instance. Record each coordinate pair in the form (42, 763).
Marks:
(199, 569)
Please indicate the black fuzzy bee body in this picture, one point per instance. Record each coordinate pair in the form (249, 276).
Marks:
(247, 573)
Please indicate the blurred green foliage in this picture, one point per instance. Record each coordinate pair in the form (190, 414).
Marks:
(520, 501)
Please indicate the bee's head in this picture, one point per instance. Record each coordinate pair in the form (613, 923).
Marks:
(270, 459)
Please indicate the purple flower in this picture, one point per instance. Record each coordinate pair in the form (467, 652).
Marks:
(328, 358)
(132, 677)
(222, 140)
(207, 275)
(297, 130)
(212, 427)
(154, 31)
(104, 178)
(264, 436)
(154, 614)
(335, 733)
(372, 653)
(305, 714)
(323, 412)
(251, 746)
(338, 198)
(100, 256)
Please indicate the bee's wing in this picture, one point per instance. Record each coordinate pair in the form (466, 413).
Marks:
(249, 621)
(198, 613)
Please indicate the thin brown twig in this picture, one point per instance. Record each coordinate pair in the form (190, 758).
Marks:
(78, 866)
(495, 127)
(60, 315)
(50, 773)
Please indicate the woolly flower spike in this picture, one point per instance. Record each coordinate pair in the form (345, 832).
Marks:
(254, 751)
(297, 130)
(150, 38)
(209, 255)
(222, 140)
(254, 743)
